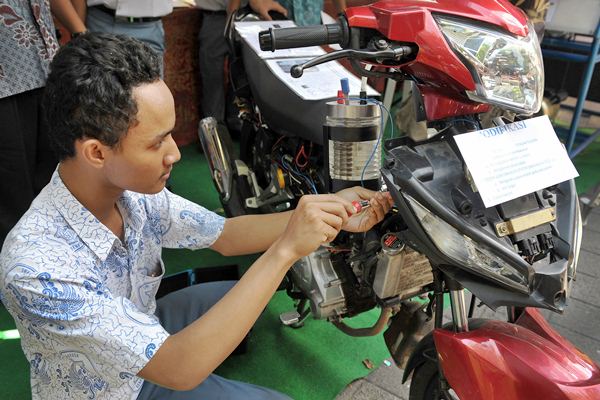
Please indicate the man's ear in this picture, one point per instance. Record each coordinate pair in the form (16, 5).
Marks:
(92, 151)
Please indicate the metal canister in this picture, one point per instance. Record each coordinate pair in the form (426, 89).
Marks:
(352, 148)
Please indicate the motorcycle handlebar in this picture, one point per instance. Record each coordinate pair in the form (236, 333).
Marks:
(288, 38)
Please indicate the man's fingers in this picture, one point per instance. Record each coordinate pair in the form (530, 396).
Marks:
(364, 193)
(332, 220)
(322, 198)
(378, 206)
(388, 197)
(279, 8)
(264, 14)
(377, 211)
(333, 208)
(329, 233)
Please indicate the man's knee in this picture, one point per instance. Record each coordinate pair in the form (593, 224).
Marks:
(204, 294)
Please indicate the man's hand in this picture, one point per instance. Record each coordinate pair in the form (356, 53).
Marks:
(262, 8)
(380, 203)
(316, 220)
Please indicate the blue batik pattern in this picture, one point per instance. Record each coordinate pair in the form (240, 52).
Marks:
(84, 301)
(304, 12)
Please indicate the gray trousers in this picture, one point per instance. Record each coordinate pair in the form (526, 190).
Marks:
(177, 310)
(151, 33)
(212, 50)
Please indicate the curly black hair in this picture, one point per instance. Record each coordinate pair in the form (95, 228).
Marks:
(88, 91)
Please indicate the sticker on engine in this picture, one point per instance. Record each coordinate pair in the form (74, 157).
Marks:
(513, 160)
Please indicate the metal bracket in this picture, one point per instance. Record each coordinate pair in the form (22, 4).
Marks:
(524, 222)
(261, 197)
(289, 318)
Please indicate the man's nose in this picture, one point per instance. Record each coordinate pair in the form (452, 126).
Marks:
(173, 155)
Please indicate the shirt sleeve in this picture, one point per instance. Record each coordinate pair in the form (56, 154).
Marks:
(106, 339)
(185, 224)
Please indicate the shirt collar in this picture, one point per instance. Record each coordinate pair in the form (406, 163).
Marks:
(95, 235)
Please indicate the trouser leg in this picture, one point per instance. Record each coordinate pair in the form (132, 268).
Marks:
(177, 310)
(212, 49)
(212, 388)
(151, 33)
(26, 160)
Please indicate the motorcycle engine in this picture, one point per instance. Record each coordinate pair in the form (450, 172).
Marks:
(376, 270)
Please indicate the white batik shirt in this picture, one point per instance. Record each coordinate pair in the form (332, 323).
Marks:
(83, 301)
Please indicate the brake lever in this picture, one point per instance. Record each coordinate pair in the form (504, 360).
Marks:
(390, 53)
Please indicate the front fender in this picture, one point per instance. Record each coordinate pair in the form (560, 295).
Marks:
(426, 350)
(499, 360)
(418, 357)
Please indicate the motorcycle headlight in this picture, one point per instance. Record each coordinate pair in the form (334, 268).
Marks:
(465, 252)
(508, 70)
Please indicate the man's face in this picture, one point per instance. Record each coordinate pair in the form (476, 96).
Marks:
(145, 156)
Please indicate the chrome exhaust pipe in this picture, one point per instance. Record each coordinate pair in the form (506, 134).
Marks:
(217, 156)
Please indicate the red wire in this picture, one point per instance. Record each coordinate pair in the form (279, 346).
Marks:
(276, 143)
(303, 154)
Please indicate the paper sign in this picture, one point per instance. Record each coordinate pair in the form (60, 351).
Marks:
(319, 82)
(513, 160)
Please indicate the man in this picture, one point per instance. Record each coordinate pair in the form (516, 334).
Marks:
(80, 270)
(27, 45)
(308, 12)
(213, 49)
(140, 19)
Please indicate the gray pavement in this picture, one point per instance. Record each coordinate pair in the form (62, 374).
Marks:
(580, 323)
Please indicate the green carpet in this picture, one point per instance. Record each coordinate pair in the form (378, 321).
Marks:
(311, 363)
(286, 359)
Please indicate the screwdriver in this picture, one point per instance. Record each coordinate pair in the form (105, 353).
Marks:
(361, 205)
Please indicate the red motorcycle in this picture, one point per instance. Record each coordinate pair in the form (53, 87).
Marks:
(457, 59)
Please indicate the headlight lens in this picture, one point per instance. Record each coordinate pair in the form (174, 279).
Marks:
(464, 251)
(508, 70)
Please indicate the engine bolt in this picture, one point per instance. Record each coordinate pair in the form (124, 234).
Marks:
(381, 44)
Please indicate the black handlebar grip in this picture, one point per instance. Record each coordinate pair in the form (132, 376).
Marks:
(289, 38)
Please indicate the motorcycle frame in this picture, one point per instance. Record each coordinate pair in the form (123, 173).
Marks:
(471, 353)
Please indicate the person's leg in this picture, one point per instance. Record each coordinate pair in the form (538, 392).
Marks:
(26, 162)
(212, 388)
(177, 310)
(212, 49)
(45, 157)
(99, 21)
(151, 33)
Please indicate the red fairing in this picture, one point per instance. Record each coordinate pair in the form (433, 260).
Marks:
(503, 361)
(436, 65)
(438, 106)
